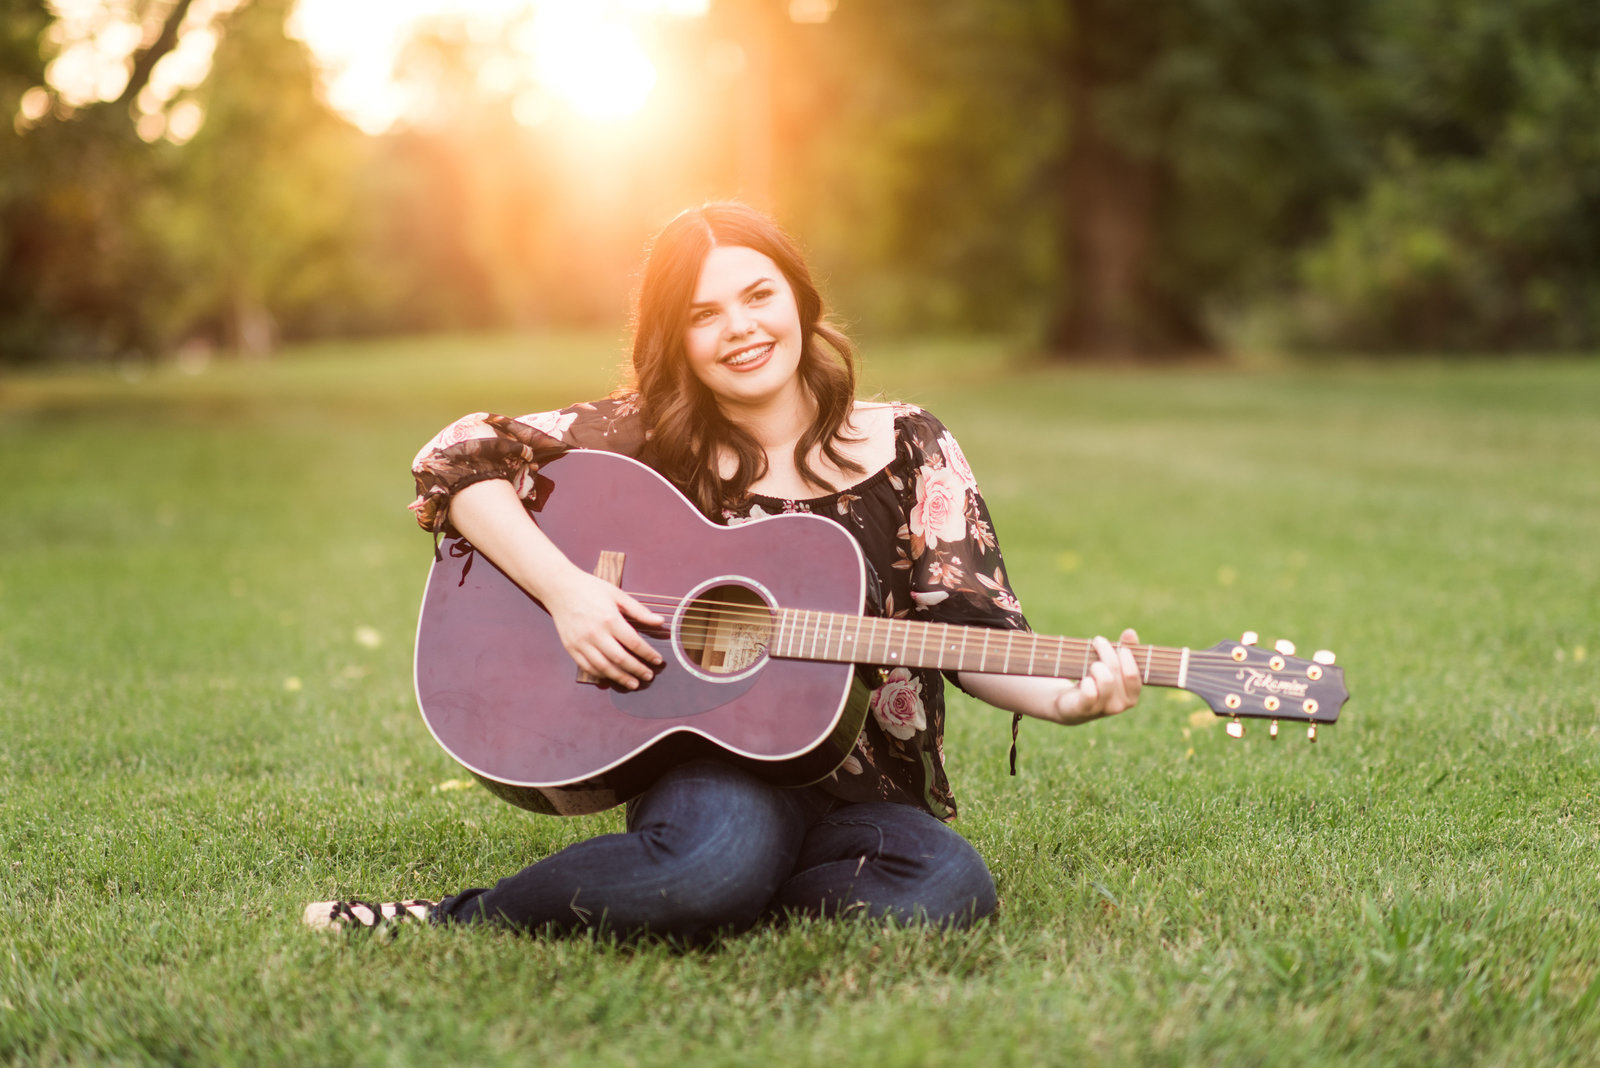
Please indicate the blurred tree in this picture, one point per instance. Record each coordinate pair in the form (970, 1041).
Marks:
(261, 213)
(22, 27)
(1103, 171)
(1104, 177)
(116, 240)
(68, 186)
(1479, 225)
(1201, 136)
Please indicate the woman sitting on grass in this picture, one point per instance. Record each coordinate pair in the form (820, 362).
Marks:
(744, 397)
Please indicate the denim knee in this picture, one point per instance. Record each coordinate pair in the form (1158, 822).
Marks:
(890, 861)
(719, 842)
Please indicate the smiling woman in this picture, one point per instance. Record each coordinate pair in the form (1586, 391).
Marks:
(743, 396)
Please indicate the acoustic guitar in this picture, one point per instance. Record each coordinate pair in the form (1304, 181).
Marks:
(764, 629)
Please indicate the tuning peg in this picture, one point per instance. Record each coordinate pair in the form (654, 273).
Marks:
(1272, 730)
(1249, 637)
(1322, 656)
(1284, 646)
(1311, 733)
(1235, 728)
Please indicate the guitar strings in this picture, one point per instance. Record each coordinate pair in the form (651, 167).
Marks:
(703, 614)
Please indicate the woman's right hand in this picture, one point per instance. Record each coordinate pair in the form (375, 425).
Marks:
(595, 621)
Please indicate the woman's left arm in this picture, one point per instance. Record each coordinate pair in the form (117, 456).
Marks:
(1112, 686)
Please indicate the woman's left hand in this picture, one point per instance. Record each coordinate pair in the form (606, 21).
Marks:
(1111, 686)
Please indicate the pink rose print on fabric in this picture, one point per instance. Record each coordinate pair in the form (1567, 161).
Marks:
(957, 460)
(897, 705)
(940, 511)
(555, 424)
(463, 429)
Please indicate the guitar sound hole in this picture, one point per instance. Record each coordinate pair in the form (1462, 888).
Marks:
(725, 630)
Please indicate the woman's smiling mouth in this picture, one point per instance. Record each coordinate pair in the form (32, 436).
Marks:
(748, 357)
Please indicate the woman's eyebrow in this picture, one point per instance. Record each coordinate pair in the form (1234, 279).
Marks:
(757, 284)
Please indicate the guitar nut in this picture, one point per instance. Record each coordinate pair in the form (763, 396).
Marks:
(1232, 700)
(1270, 703)
(1314, 672)
(1276, 663)
(1310, 706)
(1239, 653)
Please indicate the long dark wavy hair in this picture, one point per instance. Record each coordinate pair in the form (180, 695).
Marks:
(688, 430)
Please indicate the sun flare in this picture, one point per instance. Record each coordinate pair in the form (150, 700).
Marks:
(593, 63)
(585, 55)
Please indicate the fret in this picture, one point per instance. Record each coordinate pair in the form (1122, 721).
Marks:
(1060, 645)
(1011, 636)
(922, 645)
(777, 636)
(961, 657)
(1085, 672)
(1183, 668)
(1147, 651)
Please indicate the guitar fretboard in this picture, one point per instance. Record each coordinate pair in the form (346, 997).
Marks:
(838, 638)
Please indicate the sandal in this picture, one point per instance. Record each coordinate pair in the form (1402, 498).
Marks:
(342, 915)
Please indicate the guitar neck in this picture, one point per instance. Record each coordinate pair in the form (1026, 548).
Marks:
(839, 638)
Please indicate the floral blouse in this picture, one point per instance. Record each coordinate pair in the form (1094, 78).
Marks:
(920, 521)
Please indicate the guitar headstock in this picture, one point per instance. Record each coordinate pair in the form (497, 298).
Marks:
(1241, 680)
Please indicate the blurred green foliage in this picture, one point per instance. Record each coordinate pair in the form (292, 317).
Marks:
(1095, 177)
(1478, 224)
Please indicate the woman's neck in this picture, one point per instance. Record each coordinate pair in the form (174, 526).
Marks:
(780, 423)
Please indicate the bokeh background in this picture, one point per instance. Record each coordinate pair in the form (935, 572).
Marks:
(196, 179)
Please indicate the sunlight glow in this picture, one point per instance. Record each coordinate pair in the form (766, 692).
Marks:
(591, 61)
(585, 55)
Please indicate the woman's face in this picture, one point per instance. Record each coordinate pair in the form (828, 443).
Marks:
(744, 338)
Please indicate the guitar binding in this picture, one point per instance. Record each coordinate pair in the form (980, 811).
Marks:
(723, 629)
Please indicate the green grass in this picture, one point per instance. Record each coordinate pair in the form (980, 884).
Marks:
(197, 742)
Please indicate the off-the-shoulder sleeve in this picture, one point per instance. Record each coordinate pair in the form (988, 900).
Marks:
(957, 572)
(485, 446)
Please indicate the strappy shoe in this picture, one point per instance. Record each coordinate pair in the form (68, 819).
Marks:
(347, 915)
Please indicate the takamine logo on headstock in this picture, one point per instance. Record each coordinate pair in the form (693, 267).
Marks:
(1262, 682)
(1241, 681)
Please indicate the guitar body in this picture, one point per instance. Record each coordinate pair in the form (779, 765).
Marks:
(502, 696)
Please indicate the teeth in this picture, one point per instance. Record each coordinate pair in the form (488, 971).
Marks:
(747, 356)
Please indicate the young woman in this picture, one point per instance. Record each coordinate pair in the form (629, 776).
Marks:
(744, 397)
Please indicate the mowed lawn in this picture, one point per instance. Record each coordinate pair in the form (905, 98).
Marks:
(207, 594)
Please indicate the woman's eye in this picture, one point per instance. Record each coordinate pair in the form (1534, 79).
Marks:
(760, 296)
(704, 315)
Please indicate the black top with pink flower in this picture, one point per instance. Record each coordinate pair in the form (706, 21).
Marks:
(921, 523)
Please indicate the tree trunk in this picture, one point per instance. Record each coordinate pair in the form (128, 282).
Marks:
(1110, 200)
(1111, 304)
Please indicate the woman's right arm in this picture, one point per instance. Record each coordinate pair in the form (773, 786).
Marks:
(591, 616)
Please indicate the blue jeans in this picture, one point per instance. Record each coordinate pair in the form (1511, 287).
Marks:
(710, 848)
